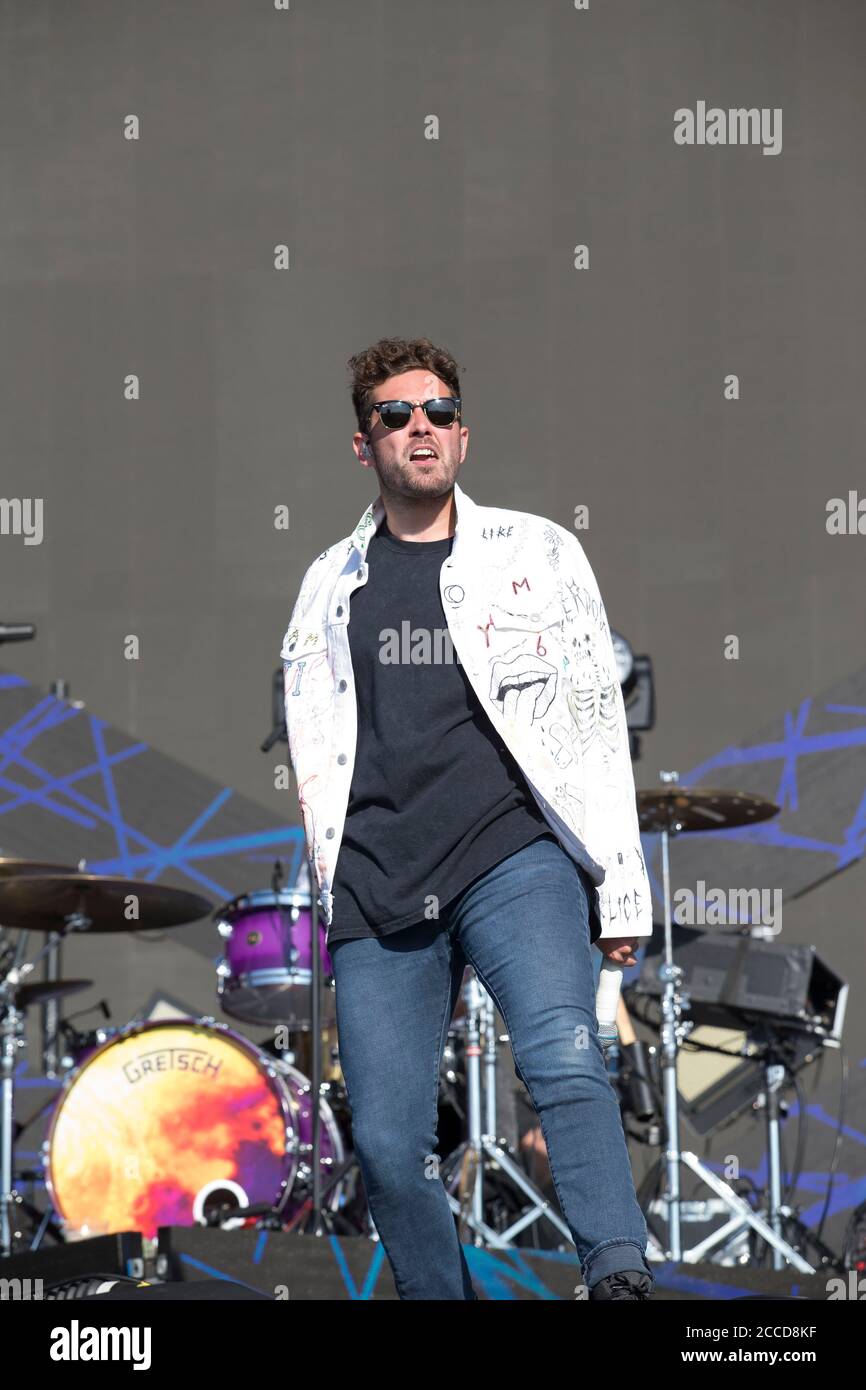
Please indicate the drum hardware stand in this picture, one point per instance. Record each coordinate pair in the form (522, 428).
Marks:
(469, 1158)
(12, 1038)
(216, 1217)
(338, 1222)
(51, 970)
(44, 1223)
(778, 1215)
(672, 1030)
(769, 1099)
(316, 1221)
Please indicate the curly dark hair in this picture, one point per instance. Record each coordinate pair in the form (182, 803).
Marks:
(389, 357)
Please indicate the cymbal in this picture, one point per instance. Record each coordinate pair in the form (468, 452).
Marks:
(44, 902)
(42, 990)
(699, 808)
(10, 867)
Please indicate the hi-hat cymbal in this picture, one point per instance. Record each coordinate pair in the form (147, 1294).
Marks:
(45, 902)
(42, 990)
(701, 808)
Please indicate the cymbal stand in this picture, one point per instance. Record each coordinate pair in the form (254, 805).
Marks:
(480, 1147)
(489, 1062)
(672, 1031)
(13, 1038)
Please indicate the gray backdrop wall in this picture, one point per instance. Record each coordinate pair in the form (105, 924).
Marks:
(603, 386)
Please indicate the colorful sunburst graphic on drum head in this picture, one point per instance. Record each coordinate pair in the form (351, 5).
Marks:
(157, 1117)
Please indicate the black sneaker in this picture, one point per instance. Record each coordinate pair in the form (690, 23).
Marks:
(631, 1284)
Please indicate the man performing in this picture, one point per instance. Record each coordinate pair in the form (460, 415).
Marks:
(465, 781)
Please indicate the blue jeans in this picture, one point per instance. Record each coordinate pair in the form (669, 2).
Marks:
(524, 928)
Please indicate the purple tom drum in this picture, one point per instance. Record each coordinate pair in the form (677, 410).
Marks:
(264, 976)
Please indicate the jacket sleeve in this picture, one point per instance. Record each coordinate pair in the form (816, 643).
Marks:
(287, 656)
(597, 707)
(304, 740)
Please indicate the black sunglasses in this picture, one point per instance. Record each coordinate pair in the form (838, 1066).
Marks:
(395, 415)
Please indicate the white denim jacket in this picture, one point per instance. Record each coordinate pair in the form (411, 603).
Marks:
(527, 623)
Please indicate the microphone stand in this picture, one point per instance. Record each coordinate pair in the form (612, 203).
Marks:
(315, 1222)
(17, 632)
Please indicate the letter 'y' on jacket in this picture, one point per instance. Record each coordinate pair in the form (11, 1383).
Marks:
(528, 625)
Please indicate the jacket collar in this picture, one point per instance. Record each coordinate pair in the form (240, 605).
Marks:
(465, 525)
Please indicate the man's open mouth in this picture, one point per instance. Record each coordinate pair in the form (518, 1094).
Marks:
(523, 688)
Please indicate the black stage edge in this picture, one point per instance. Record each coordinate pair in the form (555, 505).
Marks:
(338, 1268)
(290, 1267)
(121, 1254)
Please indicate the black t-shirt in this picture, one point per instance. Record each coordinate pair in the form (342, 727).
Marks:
(436, 798)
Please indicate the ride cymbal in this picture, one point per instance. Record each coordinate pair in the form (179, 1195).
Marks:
(702, 808)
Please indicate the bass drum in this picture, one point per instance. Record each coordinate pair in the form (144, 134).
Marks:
(166, 1120)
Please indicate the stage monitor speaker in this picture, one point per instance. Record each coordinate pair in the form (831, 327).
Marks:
(735, 980)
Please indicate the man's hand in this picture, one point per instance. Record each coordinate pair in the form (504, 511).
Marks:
(619, 949)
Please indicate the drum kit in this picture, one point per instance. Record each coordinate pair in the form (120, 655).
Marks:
(181, 1120)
